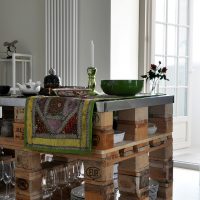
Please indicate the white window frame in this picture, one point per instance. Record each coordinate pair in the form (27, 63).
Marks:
(146, 57)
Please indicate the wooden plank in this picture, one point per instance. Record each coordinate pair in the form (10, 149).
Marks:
(102, 139)
(137, 114)
(96, 172)
(133, 184)
(142, 194)
(165, 192)
(164, 153)
(18, 131)
(28, 160)
(164, 125)
(94, 192)
(162, 111)
(24, 197)
(161, 171)
(134, 132)
(103, 120)
(19, 114)
(128, 143)
(28, 183)
(133, 165)
(10, 143)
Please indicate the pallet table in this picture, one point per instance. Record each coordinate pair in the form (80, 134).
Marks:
(140, 156)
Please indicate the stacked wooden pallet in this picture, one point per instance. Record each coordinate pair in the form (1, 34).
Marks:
(99, 172)
(161, 163)
(18, 125)
(134, 172)
(140, 156)
(28, 175)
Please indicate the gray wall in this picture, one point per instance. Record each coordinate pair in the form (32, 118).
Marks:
(94, 24)
(24, 20)
(194, 76)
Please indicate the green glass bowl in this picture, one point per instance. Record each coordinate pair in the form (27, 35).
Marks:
(122, 87)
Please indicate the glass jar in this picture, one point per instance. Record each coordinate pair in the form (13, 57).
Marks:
(7, 128)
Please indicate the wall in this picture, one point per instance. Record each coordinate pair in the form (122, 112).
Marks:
(195, 91)
(24, 20)
(94, 24)
(124, 39)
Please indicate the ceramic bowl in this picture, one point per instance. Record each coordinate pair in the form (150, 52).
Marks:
(72, 91)
(151, 128)
(78, 193)
(122, 87)
(29, 91)
(4, 89)
(118, 136)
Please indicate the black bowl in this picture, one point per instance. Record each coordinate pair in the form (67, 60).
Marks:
(4, 89)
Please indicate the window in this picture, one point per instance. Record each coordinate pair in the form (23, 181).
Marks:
(171, 47)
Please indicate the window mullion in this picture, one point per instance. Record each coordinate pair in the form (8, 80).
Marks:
(177, 59)
(166, 29)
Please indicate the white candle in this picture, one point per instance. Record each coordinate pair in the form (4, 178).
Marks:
(92, 53)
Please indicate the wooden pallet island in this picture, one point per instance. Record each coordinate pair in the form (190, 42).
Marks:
(140, 156)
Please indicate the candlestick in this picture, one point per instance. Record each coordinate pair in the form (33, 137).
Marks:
(91, 71)
(92, 53)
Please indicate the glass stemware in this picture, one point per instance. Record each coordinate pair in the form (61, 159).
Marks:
(60, 180)
(12, 192)
(49, 182)
(13, 173)
(1, 174)
(1, 170)
(77, 167)
(1, 151)
(7, 174)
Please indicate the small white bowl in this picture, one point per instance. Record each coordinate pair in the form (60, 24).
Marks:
(151, 128)
(118, 136)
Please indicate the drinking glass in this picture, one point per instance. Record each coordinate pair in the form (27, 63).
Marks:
(7, 174)
(49, 182)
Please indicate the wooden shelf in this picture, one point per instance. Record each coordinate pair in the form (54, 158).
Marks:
(126, 143)
(10, 143)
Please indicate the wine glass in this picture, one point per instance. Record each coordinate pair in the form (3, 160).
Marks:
(68, 181)
(77, 173)
(1, 151)
(1, 170)
(80, 167)
(7, 174)
(48, 182)
(1, 173)
(60, 179)
(13, 173)
(12, 193)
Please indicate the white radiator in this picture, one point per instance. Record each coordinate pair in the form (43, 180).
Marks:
(61, 39)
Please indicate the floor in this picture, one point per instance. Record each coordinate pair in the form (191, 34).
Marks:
(186, 184)
(187, 175)
(188, 158)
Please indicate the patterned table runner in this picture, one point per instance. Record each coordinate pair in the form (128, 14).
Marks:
(59, 124)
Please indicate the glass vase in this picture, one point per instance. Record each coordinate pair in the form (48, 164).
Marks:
(154, 86)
